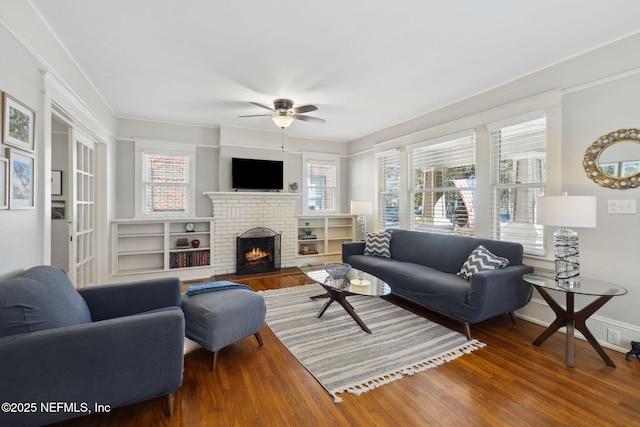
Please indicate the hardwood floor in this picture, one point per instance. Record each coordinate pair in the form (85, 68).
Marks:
(509, 382)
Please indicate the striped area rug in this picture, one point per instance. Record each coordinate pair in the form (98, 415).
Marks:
(344, 358)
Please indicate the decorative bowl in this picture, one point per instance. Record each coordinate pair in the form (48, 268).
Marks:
(337, 269)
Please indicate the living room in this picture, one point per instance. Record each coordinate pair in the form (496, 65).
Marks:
(583, 97)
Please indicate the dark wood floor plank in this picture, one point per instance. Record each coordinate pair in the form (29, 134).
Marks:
(510, 382)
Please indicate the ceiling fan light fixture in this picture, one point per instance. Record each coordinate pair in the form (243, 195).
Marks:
(282, 121)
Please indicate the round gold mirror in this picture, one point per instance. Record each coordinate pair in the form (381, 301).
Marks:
(614, 160)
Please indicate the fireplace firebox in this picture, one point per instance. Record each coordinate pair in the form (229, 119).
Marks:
(258, 250)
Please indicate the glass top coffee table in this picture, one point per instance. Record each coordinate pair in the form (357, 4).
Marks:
(356, 282)
(568, 316)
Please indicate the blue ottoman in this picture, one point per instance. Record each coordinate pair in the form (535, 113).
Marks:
(216, 319)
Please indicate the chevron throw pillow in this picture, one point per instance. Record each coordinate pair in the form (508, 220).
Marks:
(377, 244)
(479, 260)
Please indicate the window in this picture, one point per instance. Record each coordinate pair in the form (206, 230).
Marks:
(519, 163)
(166, 183)
(322, 181)
(389, 189)
(443, 173)
(166, 180)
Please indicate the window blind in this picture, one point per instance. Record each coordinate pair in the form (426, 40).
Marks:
(519, 177)
(443, 185)
(389, 190)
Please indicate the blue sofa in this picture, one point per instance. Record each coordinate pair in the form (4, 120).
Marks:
(423, 268)
(65, 352)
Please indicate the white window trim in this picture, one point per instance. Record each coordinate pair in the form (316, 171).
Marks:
(333, 159)
(170, 148)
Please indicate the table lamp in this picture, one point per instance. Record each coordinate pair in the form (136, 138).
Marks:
(361, 208)
(566, 211)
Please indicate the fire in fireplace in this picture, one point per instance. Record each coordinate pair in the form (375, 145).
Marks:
(258, 250)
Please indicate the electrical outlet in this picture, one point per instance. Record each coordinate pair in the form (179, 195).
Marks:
(613, 336)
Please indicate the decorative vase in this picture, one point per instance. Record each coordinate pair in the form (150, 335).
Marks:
(195, 243)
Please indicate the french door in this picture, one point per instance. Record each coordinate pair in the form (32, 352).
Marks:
(82, 214)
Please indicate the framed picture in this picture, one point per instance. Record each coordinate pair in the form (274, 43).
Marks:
(58, 210)
(630, 168)
(4, 183)
(610, 169)
(18, 122)
(56, 183)
(21, 179)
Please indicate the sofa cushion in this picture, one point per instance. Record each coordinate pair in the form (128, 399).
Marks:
(378, 244)
(40, 298)
(479, 260)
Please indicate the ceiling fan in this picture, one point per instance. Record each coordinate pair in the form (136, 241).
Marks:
(283, 112)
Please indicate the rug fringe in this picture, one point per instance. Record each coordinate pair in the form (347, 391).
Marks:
(433, 362)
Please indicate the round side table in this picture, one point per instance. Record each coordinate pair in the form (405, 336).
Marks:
(569, 317)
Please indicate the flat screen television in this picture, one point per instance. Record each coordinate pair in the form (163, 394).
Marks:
(256, 174)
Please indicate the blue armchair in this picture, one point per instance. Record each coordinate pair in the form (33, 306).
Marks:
(65, 353)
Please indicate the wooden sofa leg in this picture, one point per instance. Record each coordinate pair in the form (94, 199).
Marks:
(467, 330)
(513, 317)
(259, 338)
(170, 400)
(214, 360)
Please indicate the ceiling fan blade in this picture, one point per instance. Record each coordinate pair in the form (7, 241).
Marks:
(261, 106)
(304, 109)
(309, 119)
(257, 115)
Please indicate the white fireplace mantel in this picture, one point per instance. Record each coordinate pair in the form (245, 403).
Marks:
(218, 194)
(235, 212)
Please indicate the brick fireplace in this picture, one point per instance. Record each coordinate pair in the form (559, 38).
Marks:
(236, 212)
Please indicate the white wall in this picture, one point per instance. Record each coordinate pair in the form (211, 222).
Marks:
(215, 148)
(608, 252)
(37, 71)
(206, 140)
(21, 244)
(597, 94)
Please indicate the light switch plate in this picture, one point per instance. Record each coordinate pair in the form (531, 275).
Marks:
(623, 207)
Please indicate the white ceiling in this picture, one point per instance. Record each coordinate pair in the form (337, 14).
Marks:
(366, 64)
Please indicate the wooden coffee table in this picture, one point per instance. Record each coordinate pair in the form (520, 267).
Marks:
(339, 288)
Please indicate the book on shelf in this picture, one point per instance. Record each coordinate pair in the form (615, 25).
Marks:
(189, 259)
(308, 252)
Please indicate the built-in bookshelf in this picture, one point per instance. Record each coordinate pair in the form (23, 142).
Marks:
(161, 246)
(322, 235)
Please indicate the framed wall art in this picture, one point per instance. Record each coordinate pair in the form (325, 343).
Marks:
(58, 210)
(610, 169)
(18, 123)
(4, 183)
(56, 183)
(630, 168)
(21, 179)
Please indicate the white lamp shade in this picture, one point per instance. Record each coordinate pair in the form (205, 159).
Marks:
(567, 211)
(282, 121)
(361, 207)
